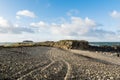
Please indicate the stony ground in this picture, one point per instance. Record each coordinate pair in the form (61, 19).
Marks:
(45, 63)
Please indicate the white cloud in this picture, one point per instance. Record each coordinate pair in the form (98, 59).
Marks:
(26, 13)
(89, 22)
(41, 27)
(76, 26)
(4, 22)
(38, 24)
(8, 27)
(115, 14)
(17, 17)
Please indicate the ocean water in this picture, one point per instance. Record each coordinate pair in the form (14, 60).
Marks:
(5, 43)
(104, 43)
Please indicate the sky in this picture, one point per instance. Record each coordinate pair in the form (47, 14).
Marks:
(46, 20)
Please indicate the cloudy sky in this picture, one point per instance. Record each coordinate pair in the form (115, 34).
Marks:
(41, 20)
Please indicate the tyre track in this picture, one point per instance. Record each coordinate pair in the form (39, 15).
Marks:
(48, 65)
(69, 69)
(55, 71)
(24, 70)
(45, 68)
(34, 70)
(59, 57)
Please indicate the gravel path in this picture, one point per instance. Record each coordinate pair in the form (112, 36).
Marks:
(46, 63)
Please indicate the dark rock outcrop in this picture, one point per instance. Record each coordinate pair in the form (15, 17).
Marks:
(27, 41)
(105, 48)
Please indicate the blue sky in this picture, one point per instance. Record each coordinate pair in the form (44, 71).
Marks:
(41, 20)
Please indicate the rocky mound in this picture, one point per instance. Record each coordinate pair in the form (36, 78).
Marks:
(72, 44)
(65, 44)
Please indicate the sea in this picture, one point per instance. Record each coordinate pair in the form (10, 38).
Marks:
(104, 43)
(5, 43)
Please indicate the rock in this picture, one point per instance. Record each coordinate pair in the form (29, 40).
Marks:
(118, 55)
(27, 41)
(111, 78)
(45, 76)
(72, 44)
